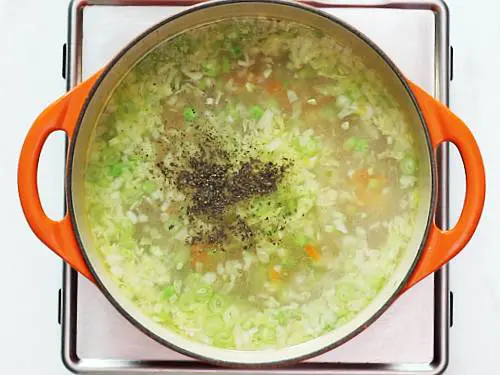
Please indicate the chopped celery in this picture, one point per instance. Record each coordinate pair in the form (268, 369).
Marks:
(290, 261)
(282, 317)
(202, 84)
(204, 293)
(211, 68)
(110, 155)
(311, 148)
(301, 240)
(373, 183)
(356, 144)
(307, 72)
(350, 143)
(408, 165)
(249, 86)
(328, 112)
(148, 187)
(217, 304)
(92, 173)
(225, 65)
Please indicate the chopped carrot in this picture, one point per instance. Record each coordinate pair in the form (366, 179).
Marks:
(274, 275)
(238, 78)
(312, 252)
(361, 176)
(198, 254)
(173, 209)
(273, 86)
(325, 99)
(276, 89)
(369, 188)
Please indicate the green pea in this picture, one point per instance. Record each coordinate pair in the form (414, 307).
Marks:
(189, 114)
(256, 112)
(168, 292)
(236, 51)
(350, 143)
(361, 145)
(116, 170)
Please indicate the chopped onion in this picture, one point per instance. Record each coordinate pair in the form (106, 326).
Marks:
(292, 96)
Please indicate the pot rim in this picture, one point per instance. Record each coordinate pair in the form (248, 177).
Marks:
(278, 362)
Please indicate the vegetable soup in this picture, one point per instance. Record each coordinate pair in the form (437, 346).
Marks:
(251, 184)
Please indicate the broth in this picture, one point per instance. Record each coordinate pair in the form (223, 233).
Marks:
(251, 184)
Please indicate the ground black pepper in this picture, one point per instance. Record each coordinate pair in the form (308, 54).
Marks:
(214, 184)
(213, 188)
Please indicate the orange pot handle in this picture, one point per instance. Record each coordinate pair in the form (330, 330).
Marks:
(63, 115)
(443, 245)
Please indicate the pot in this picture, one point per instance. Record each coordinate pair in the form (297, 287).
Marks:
(76, 114)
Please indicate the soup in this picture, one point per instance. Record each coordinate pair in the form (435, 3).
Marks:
(251, 184)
